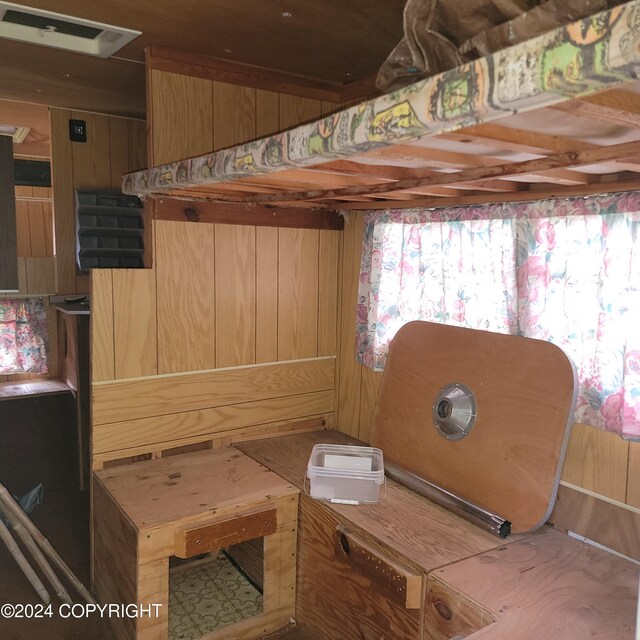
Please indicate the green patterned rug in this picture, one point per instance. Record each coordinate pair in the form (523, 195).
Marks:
(207, 595)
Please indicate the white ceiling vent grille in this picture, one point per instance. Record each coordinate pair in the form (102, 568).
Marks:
(50, 29)
(17, 133)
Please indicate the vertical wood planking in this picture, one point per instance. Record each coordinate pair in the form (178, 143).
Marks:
(597, 460)
(295, 110)
(119, 150)
(348, 403)
(91, 166)
(62, 181)
(235, 278)
(234, 114)
(369, 390)
(328, 292)
(267, 112)
(633, 475)
(297, 293)
(102, 333)
(37, 228)
(137, 145)
(47, 221)
(172, 98)
(40, 273)
(184, 265)
(266, 294)
(134, 320)
(23, 236)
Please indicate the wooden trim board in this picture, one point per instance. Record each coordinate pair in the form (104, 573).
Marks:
(611, 524)
(126, 400)
(204, 66)
(260, 216)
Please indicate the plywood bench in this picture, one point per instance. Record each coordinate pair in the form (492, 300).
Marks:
(359, 568)
(187, 505)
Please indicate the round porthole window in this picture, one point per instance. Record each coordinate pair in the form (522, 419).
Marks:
(454, 411)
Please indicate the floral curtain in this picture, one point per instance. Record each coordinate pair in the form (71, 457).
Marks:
(23, 336)
(567, 271)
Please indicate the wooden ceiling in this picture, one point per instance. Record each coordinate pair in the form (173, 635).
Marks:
(330, 40)
(582, 146)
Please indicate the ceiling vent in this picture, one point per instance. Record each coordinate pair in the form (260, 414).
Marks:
(62, 32)
(17, 133)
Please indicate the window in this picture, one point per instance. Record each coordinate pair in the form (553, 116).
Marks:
(567, 271)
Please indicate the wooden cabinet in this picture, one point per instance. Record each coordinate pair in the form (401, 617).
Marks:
(361, 584)
(186, 505)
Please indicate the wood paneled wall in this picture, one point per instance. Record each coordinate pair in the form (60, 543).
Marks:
(237, 324)
(221, 304)
(599, 496)
(190, 116)
(114, 146)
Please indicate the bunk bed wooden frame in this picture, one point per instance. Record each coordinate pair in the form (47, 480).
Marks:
(437, 142)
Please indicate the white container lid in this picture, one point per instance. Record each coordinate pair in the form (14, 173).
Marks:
(346, 461)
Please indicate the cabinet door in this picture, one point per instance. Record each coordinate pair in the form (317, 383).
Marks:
(349, 588)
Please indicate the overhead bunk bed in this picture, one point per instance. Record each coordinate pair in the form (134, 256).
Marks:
(557, 115)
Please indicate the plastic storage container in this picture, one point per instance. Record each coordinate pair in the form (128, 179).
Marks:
(345, 474)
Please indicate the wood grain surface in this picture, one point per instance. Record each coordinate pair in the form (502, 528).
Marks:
(596, 460)
(158, 432)
(510, 461)
(350, 371)
(335, 600)
(170, 394)
(102, 334)
(180, 116)
(135, 322)
(114, 146)
(235, 291)
(328, 255)
(547, 586)
(184, 266)
(212, 537)
(187, 484)
(234, 114)
(297, 293)
(408, 525)
(609, 523)
(266, 294)
(633, 480)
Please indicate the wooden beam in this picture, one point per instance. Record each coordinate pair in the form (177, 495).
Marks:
(613, 106)
(358, 90)
(522, 141)
(495, 198)
(248, 75)
(8, 237)
(518, 140)
(557, 161)
(559, 176)
(229, 213)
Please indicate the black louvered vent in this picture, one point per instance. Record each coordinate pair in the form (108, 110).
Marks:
(51, 24)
